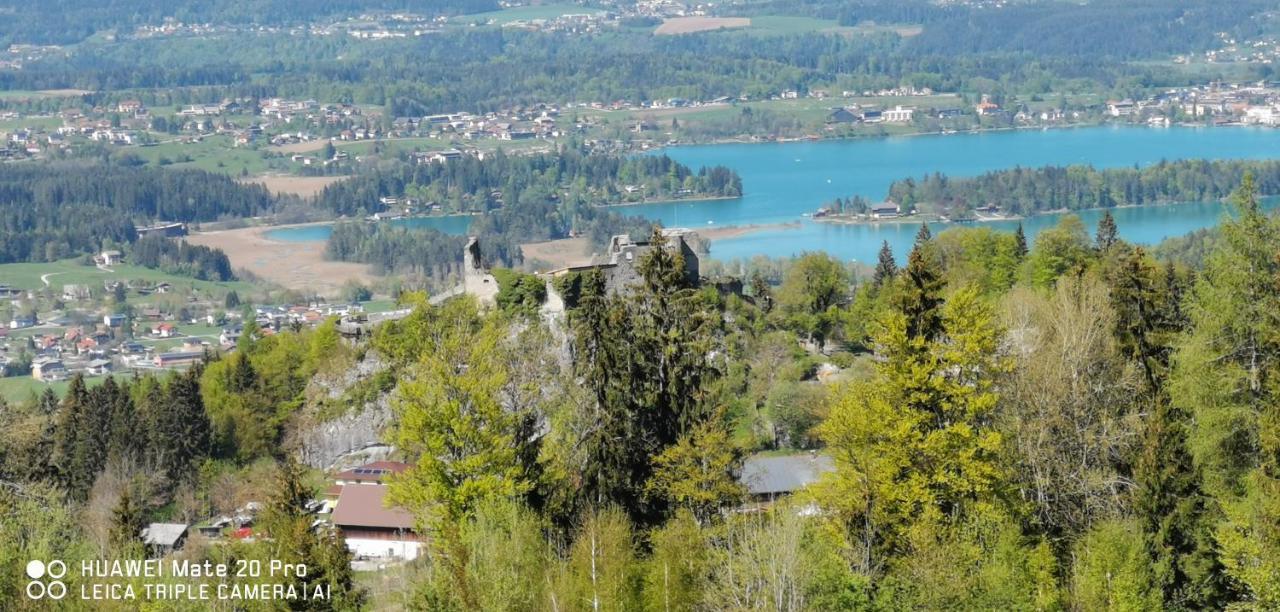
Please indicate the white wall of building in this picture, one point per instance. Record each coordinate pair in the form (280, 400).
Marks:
(401, 549)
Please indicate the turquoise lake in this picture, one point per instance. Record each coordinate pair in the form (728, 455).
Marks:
(784, 181)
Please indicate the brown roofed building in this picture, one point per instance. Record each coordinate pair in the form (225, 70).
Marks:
(371, 528)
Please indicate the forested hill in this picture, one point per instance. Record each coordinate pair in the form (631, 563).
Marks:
(1031, 190)
(1103, 28)
(52, 211)
(572, 177)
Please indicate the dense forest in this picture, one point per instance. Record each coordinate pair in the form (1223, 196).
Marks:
(1025, 191)
(572, 177)
(425, 252)
(57, 210)
(179, 257)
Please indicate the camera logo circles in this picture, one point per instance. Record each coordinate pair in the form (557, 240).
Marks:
(54, 588)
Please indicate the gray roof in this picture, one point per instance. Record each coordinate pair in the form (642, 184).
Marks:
(770, 475)
(163, 534)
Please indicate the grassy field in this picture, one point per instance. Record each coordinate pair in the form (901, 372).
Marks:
(212, 153)
(20, 388)
(71, 272)
(526, 13)
(18, 94)
(48, 123)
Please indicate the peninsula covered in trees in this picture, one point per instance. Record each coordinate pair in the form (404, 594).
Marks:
(1026, 191)
(571, 176)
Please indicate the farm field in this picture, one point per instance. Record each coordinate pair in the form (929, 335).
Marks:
(15, 389)
(211, 153)
(302, 186)
(689, 25)
(72, 272)
(19, 95)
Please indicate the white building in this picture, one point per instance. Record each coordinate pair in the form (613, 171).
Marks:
(899, 114)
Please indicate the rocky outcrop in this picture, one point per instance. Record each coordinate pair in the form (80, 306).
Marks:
(355, 434)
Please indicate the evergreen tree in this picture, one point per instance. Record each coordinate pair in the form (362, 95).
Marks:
(923, 235)
(293, 541)
(1177, 517)
(127, 520)
(74, 448)
(1107, 234)
(886, 267)
(1020, 239)
(184, 433)
(123, 441)
(920, 298)
(608, 460)
(1225, 379)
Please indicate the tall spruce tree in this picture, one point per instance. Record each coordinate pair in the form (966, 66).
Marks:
(886, 267)
(1107, 234)
(923, 235)
(1177, 518)
(1020, 241)
(644, 357)
(920, 297)
(293, 541)
(1225, 378)
(127, 519)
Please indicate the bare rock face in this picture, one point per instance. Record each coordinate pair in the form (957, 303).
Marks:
(349, 440)
(353, 437)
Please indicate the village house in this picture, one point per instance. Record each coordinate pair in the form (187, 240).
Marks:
(98, 367)
(373, 529)
(842, 115)
(377, 472)
(164, 330)
(884, 210)
(109, 258)
(163, 538)
(177, 359)
(768, 478)
(48, 369)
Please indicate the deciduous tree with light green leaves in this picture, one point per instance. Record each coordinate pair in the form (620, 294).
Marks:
(916, 442)
(459, 438)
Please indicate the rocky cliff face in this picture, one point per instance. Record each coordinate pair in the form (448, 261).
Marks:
(353, 437)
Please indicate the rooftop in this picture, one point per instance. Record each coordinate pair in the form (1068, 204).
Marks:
(163, 534)
(364, 506)
(764, 475)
